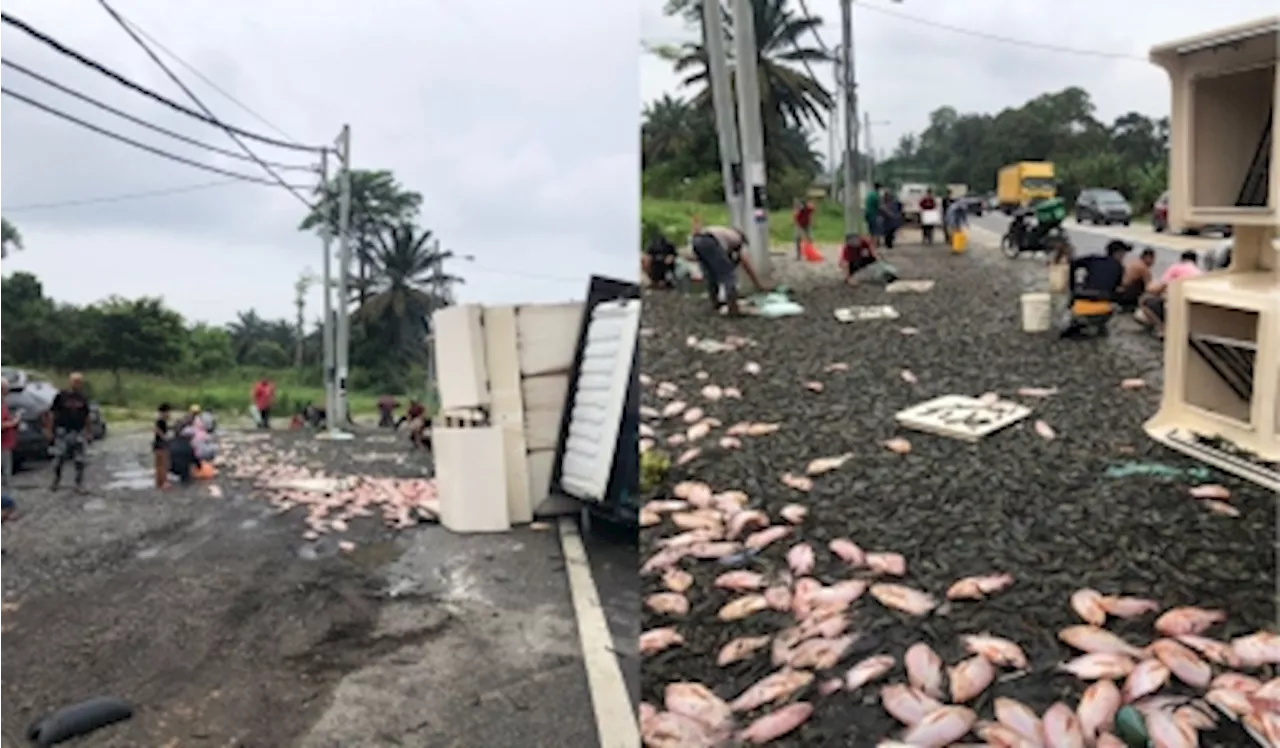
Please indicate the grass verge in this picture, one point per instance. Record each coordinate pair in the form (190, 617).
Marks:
(674, 217)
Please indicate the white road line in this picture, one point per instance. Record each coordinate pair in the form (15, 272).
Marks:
(615, 716)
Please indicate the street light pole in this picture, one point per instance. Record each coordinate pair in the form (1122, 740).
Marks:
(722, 102)
(341, 412)
(326, 234)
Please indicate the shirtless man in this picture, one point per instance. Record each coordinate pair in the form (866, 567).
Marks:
(1137, 277)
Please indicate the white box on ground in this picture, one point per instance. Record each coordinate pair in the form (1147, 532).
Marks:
(961, 417)
(473, 492)
(910, 286)
(461, 367)
(547, 337)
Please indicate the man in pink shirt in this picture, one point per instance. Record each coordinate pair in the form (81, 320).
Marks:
(1152, 308)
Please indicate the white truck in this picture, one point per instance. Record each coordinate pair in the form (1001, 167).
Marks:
(909, 195)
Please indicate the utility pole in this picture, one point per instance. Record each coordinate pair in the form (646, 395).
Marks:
(871, 152)
(327, 330)
(300, 288)
(435, 284)
(722, 101)
(833, 164)
(756, 205)
(853, 219)
(340, 412)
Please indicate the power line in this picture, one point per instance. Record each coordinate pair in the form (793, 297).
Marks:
(804, 9)
(120, 79)
(138, 120)
(205, 79)
(119, 198)
(143, 146)
(1002, 39)
(191, 94)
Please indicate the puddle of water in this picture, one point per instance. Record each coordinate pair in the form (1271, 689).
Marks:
(133, 479)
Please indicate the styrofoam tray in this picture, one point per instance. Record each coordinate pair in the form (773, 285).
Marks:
(962, 417)
(910, 286)
(865, 313)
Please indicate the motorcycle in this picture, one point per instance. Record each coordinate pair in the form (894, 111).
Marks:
(1038, 229)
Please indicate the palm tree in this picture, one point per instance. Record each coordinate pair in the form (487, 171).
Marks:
(378, 202)
(12, 240)
(408, 284)
(247, 329)
(788, 93)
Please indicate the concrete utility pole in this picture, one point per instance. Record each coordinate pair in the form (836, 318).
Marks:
(722, 101)
(833, 163)
(327, 331)
(340, 412)
(853, 218)
(756, 204)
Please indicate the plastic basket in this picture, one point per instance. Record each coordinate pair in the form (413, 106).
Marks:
(1051, 211)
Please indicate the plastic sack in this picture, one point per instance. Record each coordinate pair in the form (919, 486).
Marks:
(883, 272)
(775, 305)
(1059, 278)
(810, 253)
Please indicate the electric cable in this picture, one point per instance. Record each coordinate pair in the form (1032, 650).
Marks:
(137, 88)
(804, 9)
(207, 81)
(142, 146)
(140, 121)
(196, 99)
(118, 198)
(1002, 39)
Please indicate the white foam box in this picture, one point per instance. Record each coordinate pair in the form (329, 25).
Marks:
(461, 372)
(962, 417)
(506, 410)
(544, 399)
(547, 337)
(473, 495)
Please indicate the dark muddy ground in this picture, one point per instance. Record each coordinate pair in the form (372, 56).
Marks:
(1044, 511)
(225, 628)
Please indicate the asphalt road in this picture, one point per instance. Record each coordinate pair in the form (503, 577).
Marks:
(1093, 239)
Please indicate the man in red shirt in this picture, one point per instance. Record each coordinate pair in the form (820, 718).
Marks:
(803, 218)
(264, 396)
(9, 439)
(927, 204)
(856, 254)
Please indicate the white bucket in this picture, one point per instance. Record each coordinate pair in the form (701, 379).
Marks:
(1036, 312)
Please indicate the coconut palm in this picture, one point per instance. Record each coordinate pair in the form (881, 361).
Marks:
(788, 92)
(407, 285)
(11, 239)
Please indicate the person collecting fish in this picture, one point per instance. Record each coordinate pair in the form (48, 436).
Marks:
(928, 204)
(264, 396)
(67, 429)
(160, 444)
(1095, 278)
(1151, 309)
(387, 411)
(803, 220)
(891, 218)
(858, 253)
(659, 262)
(10, 434)
(955, 218)
(1137, 278)
(719, 250)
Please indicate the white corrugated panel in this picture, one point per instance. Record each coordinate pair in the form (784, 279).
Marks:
(599, 398)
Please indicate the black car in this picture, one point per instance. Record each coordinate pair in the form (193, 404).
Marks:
(1102, 206)
(29, 400)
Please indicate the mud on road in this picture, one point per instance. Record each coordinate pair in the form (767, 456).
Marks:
(225, 628)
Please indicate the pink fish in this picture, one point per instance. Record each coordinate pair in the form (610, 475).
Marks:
(867, 671)
(740, 581)
(1088, 604)
(1099, 666)
(759, 540)
(819, 654)
(654, 641)
(746, 521)
(740, 649)
(801, 560)
(778, 597)
(924, 669)
(794, 513)
(997, 650)
(1018, 717)
(892, 564)
(1185, 665)
(906, 704)
(1097, 708)
(1062, 728)
(970, 678)
(776, 724)
(846, 550)
(1188, 620)
(774, 687)
(905, 599)
(668, 603)
(696, 701)
(1128, 607)
(941, 728)
(1257, 649)
(1147, 677)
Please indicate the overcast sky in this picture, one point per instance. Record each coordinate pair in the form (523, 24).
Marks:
(516, 121)
(907, 68)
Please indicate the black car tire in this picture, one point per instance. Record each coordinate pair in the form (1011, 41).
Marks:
(1007, 245)
(1126, 222)
(1157, 226)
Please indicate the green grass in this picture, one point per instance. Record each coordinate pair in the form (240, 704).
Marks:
(674, 217)
(226, 394)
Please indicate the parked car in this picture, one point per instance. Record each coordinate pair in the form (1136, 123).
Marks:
(1160, 220)
(1103, 207)
(975, 205)
(29, 400)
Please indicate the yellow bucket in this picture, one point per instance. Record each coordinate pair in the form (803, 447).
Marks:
(959, 241)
